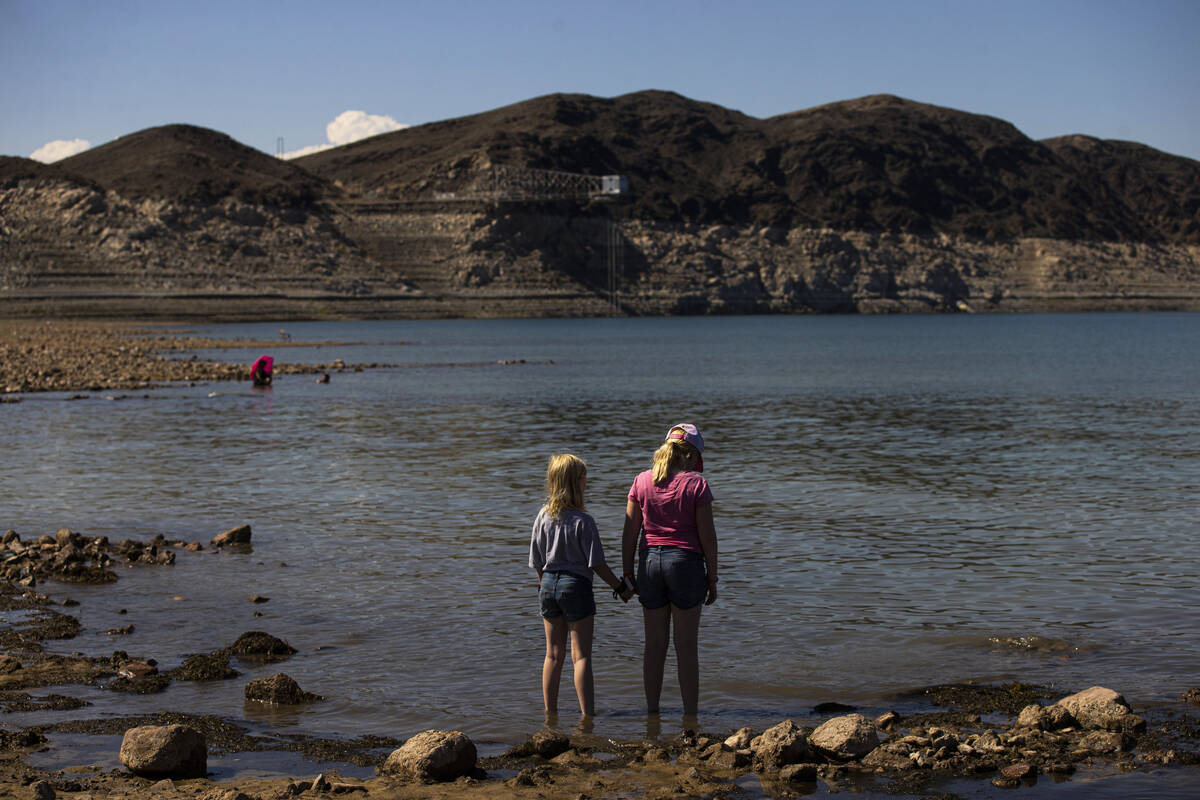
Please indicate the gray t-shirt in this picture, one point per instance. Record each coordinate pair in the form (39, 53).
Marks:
(569, 542)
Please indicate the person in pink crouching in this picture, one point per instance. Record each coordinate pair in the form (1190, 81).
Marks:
(669, 509)
(261, 369)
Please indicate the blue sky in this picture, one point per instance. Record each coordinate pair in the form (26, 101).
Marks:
(88, 72)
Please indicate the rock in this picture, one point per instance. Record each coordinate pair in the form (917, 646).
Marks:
(159, 751)
(883, 759)
(205, 667)
(779, 746)
(260, 646)
(729, 759)
(549, 744)
(659, 754)
(1104, 742)
(279, 689)
(258, 598)
(238, 535)
(42, 790)
(140, 684)
(1191, 696)
(848, 737)
(1020, 771)
(887, 720)
(8, 664)
(574, 758)
(1032, 716)
(799, 773)
(1099, 708)
(432, 756)
(740, 740)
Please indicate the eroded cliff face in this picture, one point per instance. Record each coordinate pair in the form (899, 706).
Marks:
(66, 248)
(720, 269)
(63, 238)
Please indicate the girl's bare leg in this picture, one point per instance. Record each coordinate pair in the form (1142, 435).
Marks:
(556, 656)
(657, 622)
(581, 660)
(687, 657)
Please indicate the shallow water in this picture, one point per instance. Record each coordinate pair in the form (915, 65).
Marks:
(901, 501)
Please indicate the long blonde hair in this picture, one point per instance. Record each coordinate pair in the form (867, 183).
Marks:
(562, 484)
(672, 456)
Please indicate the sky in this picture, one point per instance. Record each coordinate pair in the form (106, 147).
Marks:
(79, 73)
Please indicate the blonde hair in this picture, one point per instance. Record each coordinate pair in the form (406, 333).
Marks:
(562, 484)
(672, 456)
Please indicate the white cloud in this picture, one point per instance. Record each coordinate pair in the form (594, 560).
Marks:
(347, 127)
(350, 126)
(59, 149)
(305, 151)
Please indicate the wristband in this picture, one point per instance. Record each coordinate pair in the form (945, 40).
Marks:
(626, 584)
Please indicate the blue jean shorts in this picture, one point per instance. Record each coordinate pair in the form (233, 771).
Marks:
(565, 594)
(672, 575)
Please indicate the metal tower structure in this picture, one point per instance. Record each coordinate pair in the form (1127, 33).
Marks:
(527, 185)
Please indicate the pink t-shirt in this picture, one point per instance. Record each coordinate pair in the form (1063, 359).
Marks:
(669, 511)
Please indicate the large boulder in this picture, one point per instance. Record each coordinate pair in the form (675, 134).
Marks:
(779, 746)
(165, 751)
(1099, 708)
(432, 756)
(845, 738)
(278, 689)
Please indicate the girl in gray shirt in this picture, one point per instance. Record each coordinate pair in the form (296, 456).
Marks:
(565, 550)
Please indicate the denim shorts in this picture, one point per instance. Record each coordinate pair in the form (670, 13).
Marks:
(672, 575)
(566, 594)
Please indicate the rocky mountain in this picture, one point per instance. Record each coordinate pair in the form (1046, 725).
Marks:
(874, 204)
(878, 163)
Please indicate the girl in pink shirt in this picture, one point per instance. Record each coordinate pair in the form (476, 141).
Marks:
(671, 505)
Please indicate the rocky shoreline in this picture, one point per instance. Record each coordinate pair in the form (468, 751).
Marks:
(96, 356)
(1010, 735)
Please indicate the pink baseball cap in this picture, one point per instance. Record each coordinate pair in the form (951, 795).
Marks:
(687, 432)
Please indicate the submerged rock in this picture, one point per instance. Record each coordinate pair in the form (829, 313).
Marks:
(205, 667)
(261, 646)
(279, 689)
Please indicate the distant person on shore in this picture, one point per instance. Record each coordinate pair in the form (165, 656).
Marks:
(260, 371)
(669, 510)
(565, 550)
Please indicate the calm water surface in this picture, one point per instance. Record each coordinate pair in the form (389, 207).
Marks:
(901, 501)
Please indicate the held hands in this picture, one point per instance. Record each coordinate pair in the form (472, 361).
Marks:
(626, 589)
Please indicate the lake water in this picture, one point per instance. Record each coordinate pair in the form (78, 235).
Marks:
(900, 502)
